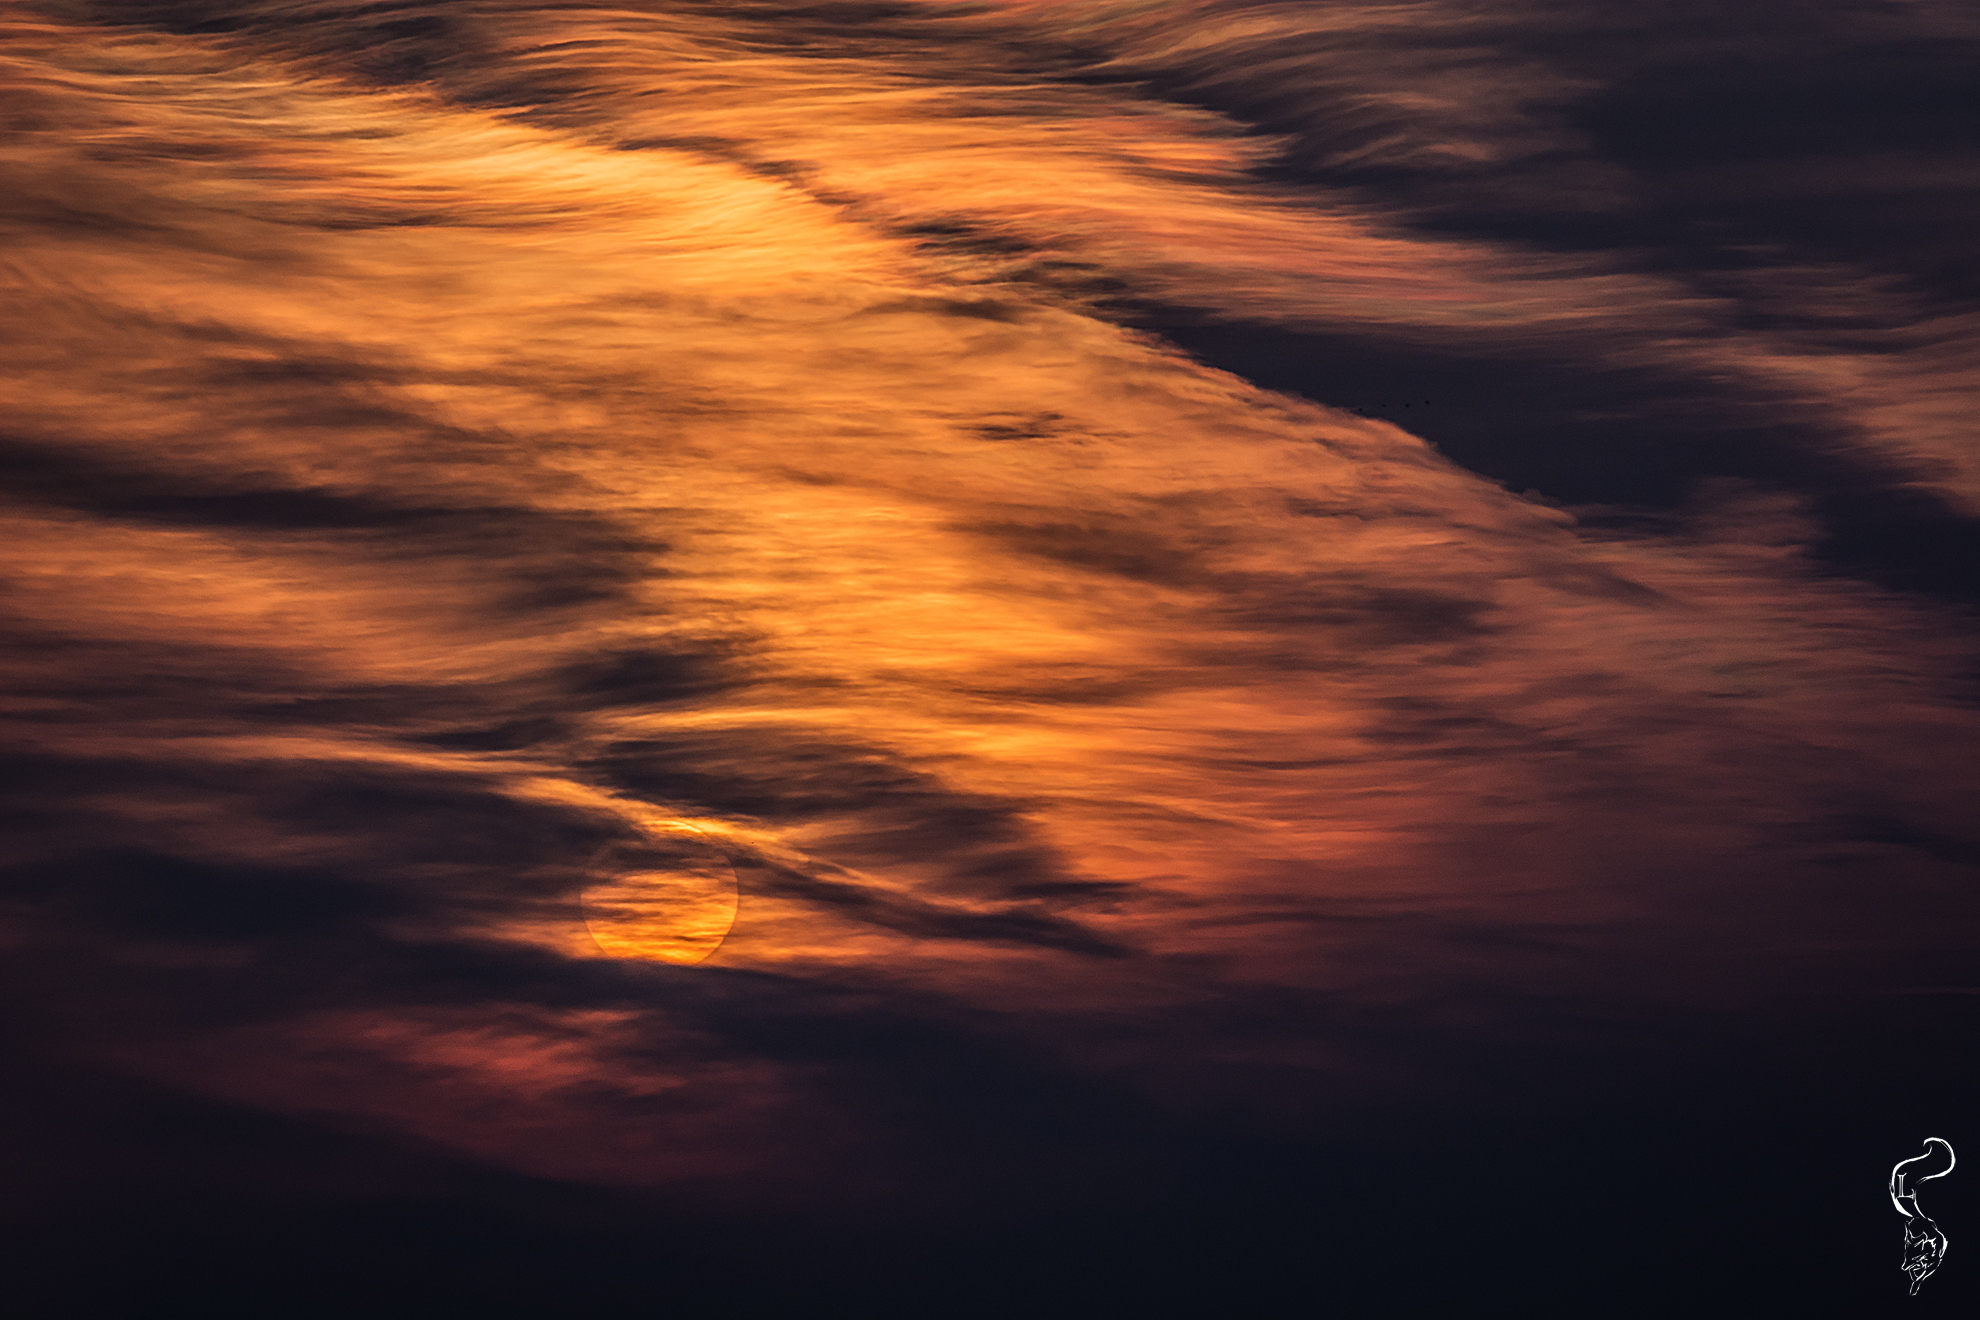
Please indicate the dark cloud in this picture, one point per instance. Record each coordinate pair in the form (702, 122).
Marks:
(1026, 489)
(1766, 171)
(136, 893)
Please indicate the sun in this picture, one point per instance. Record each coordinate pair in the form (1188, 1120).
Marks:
(677, 907)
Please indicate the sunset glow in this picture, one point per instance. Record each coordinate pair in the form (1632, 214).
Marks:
(904, 609)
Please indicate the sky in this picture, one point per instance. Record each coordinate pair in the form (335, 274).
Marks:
(1052, 657)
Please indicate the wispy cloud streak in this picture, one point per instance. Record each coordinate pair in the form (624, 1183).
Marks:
(454, 446)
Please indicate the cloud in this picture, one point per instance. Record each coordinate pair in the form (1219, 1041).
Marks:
(449, 456)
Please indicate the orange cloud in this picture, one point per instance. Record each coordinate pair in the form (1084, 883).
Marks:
(427, 503)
